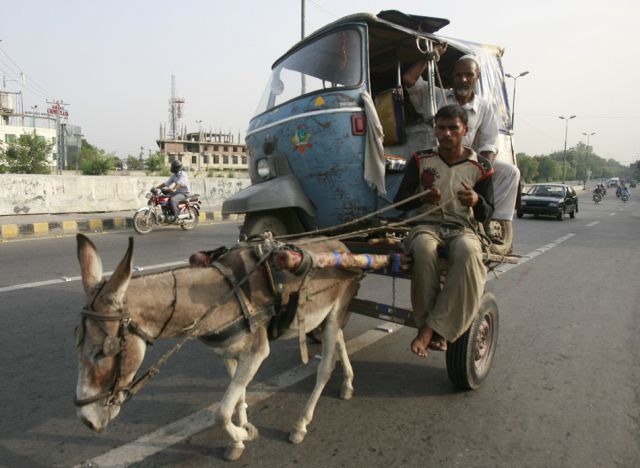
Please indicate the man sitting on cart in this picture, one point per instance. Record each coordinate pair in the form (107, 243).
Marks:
(458, 196)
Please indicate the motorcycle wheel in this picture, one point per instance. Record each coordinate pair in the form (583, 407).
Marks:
(190, 223)
(143, 222)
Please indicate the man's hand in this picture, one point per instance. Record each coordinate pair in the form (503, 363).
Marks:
(490, 155)
(431, 196)
(467, 196)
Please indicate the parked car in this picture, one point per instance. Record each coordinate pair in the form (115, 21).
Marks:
(549, 200)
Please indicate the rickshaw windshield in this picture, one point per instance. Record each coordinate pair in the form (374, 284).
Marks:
(332, 61)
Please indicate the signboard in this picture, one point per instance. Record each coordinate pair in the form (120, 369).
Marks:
(57, 109)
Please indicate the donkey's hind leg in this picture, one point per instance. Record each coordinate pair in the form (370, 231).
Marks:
(325, 368)
(247, 364)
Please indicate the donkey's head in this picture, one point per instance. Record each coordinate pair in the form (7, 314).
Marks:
(108, 355)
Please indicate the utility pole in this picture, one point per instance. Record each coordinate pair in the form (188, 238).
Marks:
(57, 109)
(586, 159)
(564, 157)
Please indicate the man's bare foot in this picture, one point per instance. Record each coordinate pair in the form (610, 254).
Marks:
(437, 343)
(420, 343)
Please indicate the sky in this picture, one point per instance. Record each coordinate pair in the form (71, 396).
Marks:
(112, 62)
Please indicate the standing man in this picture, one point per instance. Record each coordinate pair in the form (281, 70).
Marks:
(179, 183)
(458, 196)
(482, 135)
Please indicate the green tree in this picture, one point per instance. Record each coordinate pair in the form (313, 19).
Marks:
(27, 155)
(135, 164)
(155, 162)
(548, 169)
(528, 167)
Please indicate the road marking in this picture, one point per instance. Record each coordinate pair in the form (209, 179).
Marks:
(171, 434)
(67, 279)
(612, 214)
(593, 223)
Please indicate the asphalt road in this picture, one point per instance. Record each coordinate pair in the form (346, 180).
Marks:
(564, 389)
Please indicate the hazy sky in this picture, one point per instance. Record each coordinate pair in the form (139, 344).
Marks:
(112, 61)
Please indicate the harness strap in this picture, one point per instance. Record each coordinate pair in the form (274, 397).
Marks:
(240, 296)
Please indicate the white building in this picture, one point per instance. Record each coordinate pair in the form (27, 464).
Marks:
(14, 122)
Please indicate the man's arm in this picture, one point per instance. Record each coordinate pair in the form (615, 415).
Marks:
(483, 210)
(486, 139)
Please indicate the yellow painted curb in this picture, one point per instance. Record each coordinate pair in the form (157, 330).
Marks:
(40, 228)
(120, 223)
(69, 226)
(95, 225)
(9, 231)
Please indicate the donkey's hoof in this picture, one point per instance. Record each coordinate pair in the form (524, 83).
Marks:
(297, 436)
(252, 431)
(233, 453)
(346, 393)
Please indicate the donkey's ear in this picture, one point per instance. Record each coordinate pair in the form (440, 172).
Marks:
(117, 285)
(90, 264)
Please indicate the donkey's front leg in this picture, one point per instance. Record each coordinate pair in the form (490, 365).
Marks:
(322, 377)
(248, 363)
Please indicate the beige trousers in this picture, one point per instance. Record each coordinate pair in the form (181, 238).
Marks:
(448, 312)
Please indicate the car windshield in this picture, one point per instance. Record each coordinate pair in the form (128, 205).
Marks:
(547, 191)
(331, 61)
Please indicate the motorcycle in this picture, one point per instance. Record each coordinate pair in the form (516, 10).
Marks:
(597, 197)
(158, 212)
(624, 196)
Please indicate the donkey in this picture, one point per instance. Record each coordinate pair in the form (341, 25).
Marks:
(124, 314)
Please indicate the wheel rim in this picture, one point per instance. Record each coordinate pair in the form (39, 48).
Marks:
(484, 344)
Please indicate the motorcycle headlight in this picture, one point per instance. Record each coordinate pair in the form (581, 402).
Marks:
(262, 167)
(148, 196)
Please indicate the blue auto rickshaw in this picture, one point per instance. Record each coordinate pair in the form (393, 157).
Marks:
(332, 135)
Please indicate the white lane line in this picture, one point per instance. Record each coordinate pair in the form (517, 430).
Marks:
(156, 441)
(171, 434)
(612, 214)
(593, 223)
(67, 279)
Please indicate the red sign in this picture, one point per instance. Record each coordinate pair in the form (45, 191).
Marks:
(56, 109)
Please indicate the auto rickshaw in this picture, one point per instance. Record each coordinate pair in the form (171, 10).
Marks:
(317, 161)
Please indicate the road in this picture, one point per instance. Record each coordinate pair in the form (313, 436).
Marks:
(564, 389)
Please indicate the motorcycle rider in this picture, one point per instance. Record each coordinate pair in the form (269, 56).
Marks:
(179, 184)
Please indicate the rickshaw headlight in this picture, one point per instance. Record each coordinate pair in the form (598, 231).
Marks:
(262, 166)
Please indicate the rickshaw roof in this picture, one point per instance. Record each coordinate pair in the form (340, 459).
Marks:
(392, 26)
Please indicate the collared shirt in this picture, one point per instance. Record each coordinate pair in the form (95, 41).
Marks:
(179, 178)
(483, 125)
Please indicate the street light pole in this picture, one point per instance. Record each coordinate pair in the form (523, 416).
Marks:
(513, 100)
(586, 160)
(564, 157)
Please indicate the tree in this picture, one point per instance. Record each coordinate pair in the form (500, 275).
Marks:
(135, 164)
(155, 162)
(548, 169)
(27, 155)
(528, 167)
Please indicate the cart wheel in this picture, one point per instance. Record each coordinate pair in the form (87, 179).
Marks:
(469, 358)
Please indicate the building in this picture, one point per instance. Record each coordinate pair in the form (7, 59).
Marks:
(14, 122)
(201, 151)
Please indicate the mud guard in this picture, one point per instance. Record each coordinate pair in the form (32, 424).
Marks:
(281, 192)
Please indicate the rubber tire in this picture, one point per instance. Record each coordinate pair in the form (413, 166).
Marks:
(257, 223)
(141, 224)
(519, 214)
(560, 216)
(191, 223)
(572, 215)
(465, 368)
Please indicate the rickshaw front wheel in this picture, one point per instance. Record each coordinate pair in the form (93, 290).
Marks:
(469, 358)
(279, 223)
